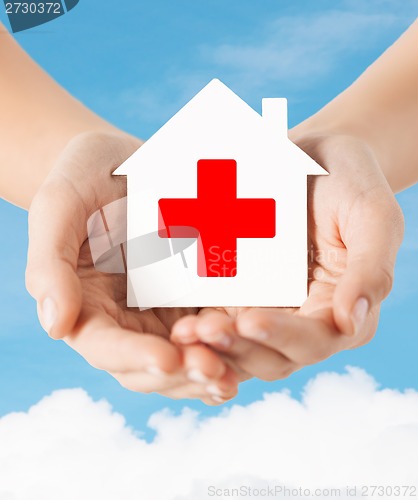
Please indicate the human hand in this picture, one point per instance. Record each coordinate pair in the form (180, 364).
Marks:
(87, 308)
(355, 230)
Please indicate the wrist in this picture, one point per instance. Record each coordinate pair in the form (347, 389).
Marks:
(392, 151)
(50, 151)
(320, 128)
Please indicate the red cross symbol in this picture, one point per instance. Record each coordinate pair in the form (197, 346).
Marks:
(217, 218)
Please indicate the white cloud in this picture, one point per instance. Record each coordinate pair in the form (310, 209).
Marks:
(344, 431)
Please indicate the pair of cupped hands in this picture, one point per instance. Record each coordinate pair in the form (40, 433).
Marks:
(355, 230)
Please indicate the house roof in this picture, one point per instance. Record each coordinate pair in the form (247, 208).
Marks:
(216, 99)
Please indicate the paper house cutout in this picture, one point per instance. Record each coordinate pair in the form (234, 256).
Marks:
(198, 170)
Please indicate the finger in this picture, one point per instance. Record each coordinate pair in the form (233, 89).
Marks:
(372, 235)
(176, 386)
(149, 363)
(303, 340)
(56, 232)
(107, 346)
(183, 331)
(218, 392)
(169, 386)
(202, 365)
(218, 330)
(193, 392)
(190, 391)
(182, 386)
(215, 328)
(170, 316)
(225, 388)
(161, 383)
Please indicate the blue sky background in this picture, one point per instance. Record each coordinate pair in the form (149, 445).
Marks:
(136, 63)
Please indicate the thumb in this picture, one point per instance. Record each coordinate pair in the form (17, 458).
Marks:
(56, 232)
(372, 236)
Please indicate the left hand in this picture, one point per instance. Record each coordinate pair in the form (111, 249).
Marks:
(87, 308)
(355, 230)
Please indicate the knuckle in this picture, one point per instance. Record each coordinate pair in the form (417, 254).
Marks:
(315, 355)
(132, 384)
(97, 364)
(287, 371)
(386, 279)
(209, 401)
(398, 220)
(269, 377)
(227, 396)
(172, 395)
(283, 371)
(31, 279)
(361, 343)
(55, 335)
(251, 321)
(369, 331)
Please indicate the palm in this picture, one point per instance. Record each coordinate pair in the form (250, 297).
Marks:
(345, 209)
(327, 261)
(106, 293)
(94, 319)
(327, 253)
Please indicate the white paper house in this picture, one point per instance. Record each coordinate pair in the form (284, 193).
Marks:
(217, 125)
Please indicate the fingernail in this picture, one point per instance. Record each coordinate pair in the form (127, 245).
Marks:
(155, 370)
(359, 314)
(218, 399)
(48, 314)
(223, 340)
(214, 390)
(196, 375)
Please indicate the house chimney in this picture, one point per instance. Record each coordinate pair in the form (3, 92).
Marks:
(275, 115)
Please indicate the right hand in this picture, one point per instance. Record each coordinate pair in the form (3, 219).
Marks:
(355, 231)
(87, 308)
